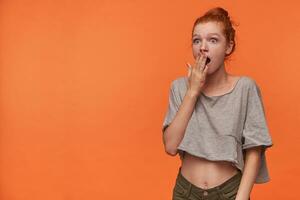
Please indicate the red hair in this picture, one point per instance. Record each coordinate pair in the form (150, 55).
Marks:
(219, 14)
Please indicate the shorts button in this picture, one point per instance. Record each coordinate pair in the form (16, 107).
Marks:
(205, 193)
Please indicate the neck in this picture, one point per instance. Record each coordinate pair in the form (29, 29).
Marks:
(217, 78)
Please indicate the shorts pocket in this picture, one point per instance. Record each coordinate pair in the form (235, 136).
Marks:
(178, 190)
(231, 191)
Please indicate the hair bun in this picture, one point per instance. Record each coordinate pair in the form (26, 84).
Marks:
(217, 11)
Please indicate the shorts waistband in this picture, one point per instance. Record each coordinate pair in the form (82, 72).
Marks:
(186, 183)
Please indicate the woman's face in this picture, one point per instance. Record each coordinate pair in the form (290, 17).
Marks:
(208, 38)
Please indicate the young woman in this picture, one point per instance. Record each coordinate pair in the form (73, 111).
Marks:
(216, 120)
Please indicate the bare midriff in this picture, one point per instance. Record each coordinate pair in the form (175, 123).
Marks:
(205, 173)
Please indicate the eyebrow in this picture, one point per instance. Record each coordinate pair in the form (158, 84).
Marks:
(208, 34)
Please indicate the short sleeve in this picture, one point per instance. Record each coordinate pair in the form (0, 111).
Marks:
(173, 107)
(255, 131)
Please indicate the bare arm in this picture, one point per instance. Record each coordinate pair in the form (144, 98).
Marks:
(252, 164)
(174, 133)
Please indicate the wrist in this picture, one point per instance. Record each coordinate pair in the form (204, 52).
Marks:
(192, 94)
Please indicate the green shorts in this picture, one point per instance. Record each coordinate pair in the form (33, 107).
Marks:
(185, 190)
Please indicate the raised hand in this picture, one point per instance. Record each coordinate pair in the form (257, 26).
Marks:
(197, 74)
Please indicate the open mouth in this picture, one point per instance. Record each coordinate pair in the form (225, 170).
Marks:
(207, 60)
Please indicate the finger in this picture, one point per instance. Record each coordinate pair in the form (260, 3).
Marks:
(205, 71)
(198, 57)
(189, 69)
(198, 63)
(189, 66)
(202, 62)
(189, 73)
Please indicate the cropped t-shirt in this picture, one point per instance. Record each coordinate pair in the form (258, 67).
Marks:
(222, 127)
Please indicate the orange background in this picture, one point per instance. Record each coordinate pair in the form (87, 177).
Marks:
(84, 90)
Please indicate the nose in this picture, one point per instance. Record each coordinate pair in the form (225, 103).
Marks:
(203, 47)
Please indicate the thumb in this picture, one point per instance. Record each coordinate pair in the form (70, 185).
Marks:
(189, 69)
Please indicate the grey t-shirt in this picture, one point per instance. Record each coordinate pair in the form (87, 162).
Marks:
(222, 127)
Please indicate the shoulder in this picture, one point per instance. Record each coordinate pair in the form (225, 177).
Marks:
(249, 82)
(251, 87)
(179, 82)
(179, 86)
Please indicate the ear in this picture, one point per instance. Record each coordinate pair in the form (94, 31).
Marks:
(229, 47)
